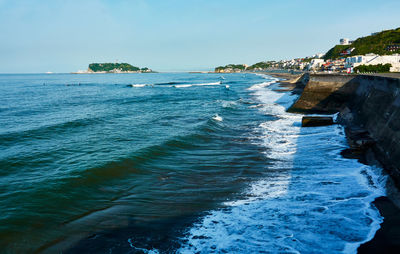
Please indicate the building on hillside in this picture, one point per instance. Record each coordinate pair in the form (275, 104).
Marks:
(346, 52)
(372, 59)
(393, 48)
(326, 66)
(355, 61)
(319, 55)
(344, 41)
(337, 65)
(315, 64)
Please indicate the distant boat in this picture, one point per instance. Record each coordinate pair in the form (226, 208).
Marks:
(49, 72)
(227, 86)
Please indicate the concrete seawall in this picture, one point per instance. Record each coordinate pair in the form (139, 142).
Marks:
(325, 94)
(368, 102)
(369, 108)
(375, 106)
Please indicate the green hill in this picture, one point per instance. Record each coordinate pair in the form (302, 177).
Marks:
(376, 44)
(260, 65)
(231, 68)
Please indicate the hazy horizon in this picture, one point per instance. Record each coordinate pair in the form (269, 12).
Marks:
(62, 37)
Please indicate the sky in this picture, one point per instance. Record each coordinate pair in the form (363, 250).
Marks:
(178, 35)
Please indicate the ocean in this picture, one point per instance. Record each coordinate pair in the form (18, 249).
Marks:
(174, 163)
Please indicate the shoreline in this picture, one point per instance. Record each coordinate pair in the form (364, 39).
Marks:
(387, 238)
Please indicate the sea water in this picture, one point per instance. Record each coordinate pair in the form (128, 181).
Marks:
(174, 163)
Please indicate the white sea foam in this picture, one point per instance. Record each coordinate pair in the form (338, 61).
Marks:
(139, 85)
(228, 104)
(142, 250)
(261, 85)
(218, 118)
(200, 84)
(181, 86)
(312, 200)
(208, 84)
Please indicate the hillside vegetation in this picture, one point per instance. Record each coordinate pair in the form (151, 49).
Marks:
(109, 67)
(370, 44)
(260, 65)
(379, 68)
(231, 67)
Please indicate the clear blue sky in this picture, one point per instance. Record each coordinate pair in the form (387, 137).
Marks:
(178, 35)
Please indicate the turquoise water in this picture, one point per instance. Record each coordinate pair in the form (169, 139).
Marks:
(158, 162)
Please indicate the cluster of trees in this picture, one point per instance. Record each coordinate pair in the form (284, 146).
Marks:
(370, 44)
(240, 67)
(260, 65)
(334, 53)
(373, 68)
(96, 67)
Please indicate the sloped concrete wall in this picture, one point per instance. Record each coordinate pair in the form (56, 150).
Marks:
(375, 106)
(325, 93)
(369, 102)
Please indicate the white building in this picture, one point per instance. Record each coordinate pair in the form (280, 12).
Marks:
(372, 59)
(344, 41)
(319, 55)
(355, 61)
(315, 64)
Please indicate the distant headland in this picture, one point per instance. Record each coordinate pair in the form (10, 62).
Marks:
(113, 68)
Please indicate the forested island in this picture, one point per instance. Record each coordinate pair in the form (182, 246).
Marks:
(114, 68)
